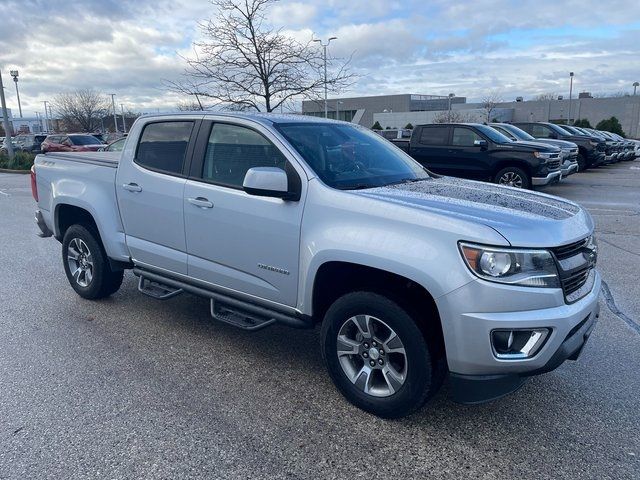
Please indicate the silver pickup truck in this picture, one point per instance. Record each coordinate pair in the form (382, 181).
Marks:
(412, 277)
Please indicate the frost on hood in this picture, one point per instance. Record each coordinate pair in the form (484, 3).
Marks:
(459, 193)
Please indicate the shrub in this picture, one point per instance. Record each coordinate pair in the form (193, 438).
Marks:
(408, 126)
(21, 161)
(611, 125)
(376, 126)
(583, 123)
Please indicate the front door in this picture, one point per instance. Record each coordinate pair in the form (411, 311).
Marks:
(150, 195)
(238, 241)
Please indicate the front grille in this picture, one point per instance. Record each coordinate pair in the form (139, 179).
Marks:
(575, 264)
(553, 164)
(574, 281)
(566, 251)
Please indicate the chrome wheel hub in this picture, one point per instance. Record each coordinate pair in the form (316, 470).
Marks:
(372, 355)
(80, 262)
(511, 178)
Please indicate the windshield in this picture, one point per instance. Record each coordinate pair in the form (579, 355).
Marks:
(493, 135)
(84, 140)
(516, 132)
(349, 157)
(116, 146)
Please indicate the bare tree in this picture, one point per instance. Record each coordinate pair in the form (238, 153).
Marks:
(489, 103)
(546, 96)
(246, 64)
(188, 106)
(81, 109)
(450, 116)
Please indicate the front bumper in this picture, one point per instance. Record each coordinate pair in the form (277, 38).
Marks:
(552, 177)
(569, 169)
(476, 374)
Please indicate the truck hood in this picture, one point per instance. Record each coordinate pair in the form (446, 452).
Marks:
(557, 143)
(543, 146)
(522, 217)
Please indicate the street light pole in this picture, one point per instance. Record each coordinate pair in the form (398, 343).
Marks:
(46, 117)
(570, 97)
(338, 103)
(324, 46)
(14, 74)
(124, 122)
(5, 121)
(113, 104)
(450, 96)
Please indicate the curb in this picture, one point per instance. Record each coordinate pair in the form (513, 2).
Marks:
(6, 170)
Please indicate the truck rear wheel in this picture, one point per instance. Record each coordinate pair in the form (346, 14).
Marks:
(513, 177)
(377, 355)
(86, 264)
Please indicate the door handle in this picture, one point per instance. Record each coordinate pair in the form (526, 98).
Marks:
(200, 202)
(132, 187)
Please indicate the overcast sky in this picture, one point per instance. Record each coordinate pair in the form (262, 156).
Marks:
(523, 47)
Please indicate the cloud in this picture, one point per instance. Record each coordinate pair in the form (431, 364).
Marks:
(522, 47)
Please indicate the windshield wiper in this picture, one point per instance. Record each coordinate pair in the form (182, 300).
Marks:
(357, 186)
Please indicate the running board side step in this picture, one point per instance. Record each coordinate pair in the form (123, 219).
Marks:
(157, 290)
(225, 308)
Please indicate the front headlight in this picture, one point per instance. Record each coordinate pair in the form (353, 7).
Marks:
(528, 268)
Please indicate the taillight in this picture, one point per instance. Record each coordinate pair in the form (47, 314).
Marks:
(34, 184)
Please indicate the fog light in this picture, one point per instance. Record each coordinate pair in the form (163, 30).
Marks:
(517, 344)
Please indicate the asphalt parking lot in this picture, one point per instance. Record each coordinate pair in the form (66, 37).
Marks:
(130, 387)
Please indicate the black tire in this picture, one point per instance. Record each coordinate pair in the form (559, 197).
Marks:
(514, 177)
(582, 163)
(423, 376)
(99, 281)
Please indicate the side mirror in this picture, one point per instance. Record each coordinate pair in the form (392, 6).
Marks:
(267, 182)
(480, 143)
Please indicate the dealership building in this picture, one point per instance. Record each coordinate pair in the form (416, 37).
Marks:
(396, 111)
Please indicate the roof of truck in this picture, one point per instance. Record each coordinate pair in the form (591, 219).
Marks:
(261, 117)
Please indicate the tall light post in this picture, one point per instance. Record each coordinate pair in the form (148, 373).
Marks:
(324, 46)
(5, 121)
(449, 97)
(46, 117)
(115, 119)
(570, 97)
(338, 103)
(14, 74)
(635, 87)
(124, 122)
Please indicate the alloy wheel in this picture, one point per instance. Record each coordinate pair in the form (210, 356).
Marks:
(372, 355)
(511, 179)
(80, 262)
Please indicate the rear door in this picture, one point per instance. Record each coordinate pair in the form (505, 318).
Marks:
(431, 147)
(150, 194)
(237, 241)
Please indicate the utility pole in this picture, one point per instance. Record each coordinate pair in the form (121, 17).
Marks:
(14, 74)
(124, 122)
(570, 97)
(324, 46)
(115, 119)
(46, 117)
(5, 121)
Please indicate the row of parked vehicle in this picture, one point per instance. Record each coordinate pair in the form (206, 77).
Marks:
(521, 155)
(63, 142)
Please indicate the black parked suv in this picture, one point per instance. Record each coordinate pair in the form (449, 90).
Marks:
(476, 151)
(591, 149)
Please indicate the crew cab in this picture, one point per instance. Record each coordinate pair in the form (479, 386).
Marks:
(591, 150)
(302, 221)
(569, 150)
(476, 151)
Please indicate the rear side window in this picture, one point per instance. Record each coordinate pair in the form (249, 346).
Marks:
(232, 150)
(540, 131)
(464, 137)
(163, 146)
(434, 136)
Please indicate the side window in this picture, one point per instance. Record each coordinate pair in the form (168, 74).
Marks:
(464, 137)
(232, 150)
(163, 146)
(540, 131)
(434, 135)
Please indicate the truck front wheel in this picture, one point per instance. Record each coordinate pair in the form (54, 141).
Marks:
(377, 356)
(513, 177)
(86, 264)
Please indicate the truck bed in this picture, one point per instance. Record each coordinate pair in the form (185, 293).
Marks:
(105, 159)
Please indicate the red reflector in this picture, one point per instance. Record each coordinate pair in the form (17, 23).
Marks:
(34, 184)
